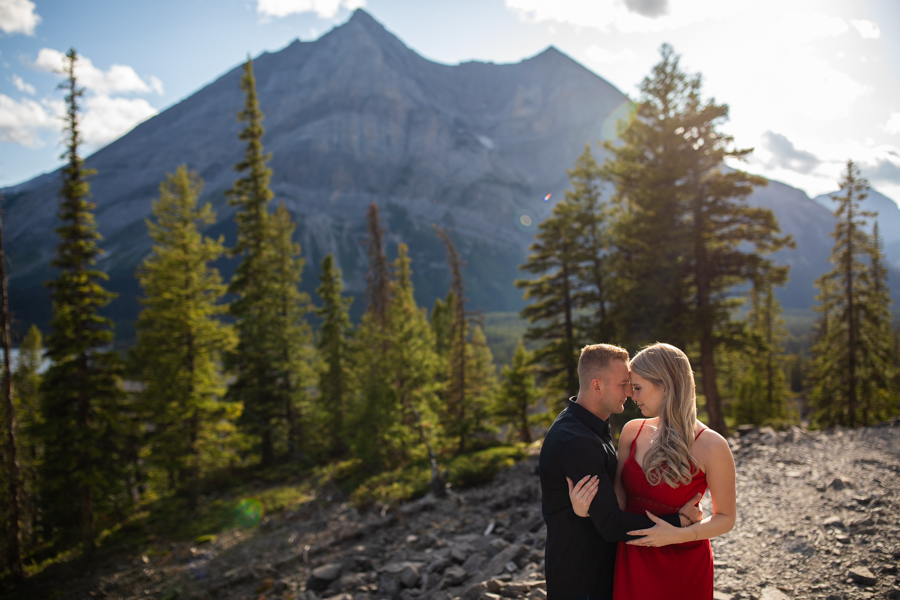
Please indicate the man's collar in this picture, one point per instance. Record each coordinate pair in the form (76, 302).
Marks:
(594, 423)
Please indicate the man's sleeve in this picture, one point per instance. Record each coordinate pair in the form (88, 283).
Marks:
(586, 456)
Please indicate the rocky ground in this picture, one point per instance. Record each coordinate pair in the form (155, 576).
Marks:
(818, 517)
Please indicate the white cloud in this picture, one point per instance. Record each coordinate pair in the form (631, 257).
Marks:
(119, 78)
(326, 9)
(18, 16)
(867, 29)
(106, 118)
(623, 15)
(603, 56)
(22, 86)
(21, 122)
(893, 124)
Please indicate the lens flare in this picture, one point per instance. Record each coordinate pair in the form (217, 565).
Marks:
(248, 512)
(619, 120)
(525, 220)
(547, 197)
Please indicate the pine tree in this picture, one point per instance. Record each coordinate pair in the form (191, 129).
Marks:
(80, 391)
(374, 414)
(518, 394)
(335, 375)
(481, 384)
(412, 364)
(256, 379)
(852, 369)
(762, 393)
(27, 382)
(291, 336)
(180, 336)
(11, 450)
(458, 413)
(442, 323)
(556, 260)
(593, 295)
(682, 222)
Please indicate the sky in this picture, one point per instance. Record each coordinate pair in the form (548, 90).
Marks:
(809, 83)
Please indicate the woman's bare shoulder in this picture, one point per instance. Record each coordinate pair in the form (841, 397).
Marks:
(709, 444)
(629, 430)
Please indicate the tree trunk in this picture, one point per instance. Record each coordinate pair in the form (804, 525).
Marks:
(14, 549)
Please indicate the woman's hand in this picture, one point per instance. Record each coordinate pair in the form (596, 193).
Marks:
(582, 494)
(661, 534)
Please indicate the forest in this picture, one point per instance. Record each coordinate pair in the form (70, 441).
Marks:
(233, 382)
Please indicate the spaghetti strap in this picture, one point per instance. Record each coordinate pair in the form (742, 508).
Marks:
(699, 432)
(634, 441)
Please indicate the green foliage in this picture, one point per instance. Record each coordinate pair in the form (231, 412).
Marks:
(762, 390)
(335, 376)
(682, 233)
(853, 371)
(80, 392)
(518, 395)
(180, 338)
(27, 383)
(270, 363)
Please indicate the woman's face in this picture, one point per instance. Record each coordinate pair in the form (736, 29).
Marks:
(649, 396)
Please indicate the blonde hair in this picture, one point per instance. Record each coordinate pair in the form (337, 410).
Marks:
(594, 359)
(669, 456)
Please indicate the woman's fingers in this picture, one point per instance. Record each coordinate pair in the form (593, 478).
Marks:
(569, 481)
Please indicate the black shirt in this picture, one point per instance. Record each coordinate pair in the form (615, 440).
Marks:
(581, 552)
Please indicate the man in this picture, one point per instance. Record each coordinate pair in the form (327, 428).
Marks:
(581, 552)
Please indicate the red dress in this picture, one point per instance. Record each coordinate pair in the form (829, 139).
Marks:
(674, 572)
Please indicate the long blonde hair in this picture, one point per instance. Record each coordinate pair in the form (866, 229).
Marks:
(669, 456)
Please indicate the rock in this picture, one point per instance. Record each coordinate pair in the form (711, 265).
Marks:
(322, 576)
(838, 484)
(388, 585)
(499, 544)
(341, 597)
(512, 567)
(767, 436)
(773, 593)
(863, 576)
(328, 572)
(497, 564)
(537, 594)
(474, 563)
(454, 576)
(833, 521)
(489, 596)
(476, 590)
(717, 595)
(514, 590)
(460, 552)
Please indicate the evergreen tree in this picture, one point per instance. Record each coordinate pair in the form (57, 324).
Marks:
(335, 375)
(682, 222)
(11, 450)
(27, 382)
(80, 392)
(180, 338)
(852, 371)
(481, 383)
(442, 323)
(518, 394)
(459, 405)
(374, 413)
(266, 364)
(291, 337)
(593, 295)
(762, 393)
(556, 260)
(413, 365)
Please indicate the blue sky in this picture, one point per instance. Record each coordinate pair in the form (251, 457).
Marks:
(810, 83)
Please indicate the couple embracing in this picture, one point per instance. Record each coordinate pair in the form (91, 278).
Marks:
(627, 525)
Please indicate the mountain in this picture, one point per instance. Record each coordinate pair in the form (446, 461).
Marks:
(357, 117)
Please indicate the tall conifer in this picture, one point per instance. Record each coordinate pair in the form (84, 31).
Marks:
(852, 373)
(27, 378)
(335, 373)
(80, 390)
(180, 337)
(518, 394)
(682, 222)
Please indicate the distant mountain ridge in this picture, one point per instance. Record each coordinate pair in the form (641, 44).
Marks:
(357, 117)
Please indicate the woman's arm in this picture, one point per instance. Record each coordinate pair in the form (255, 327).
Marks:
(716, 460)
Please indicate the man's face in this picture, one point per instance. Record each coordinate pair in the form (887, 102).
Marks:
(616, 388)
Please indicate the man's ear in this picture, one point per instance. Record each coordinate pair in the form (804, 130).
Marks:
(597, 385)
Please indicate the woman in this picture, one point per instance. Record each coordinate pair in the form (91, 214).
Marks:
(663, 461)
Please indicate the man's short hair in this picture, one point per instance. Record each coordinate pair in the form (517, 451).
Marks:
(594, 359)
